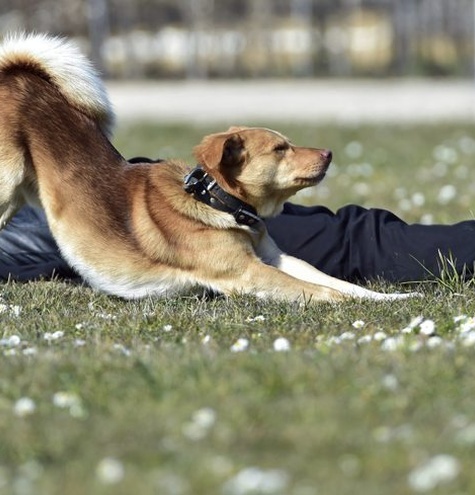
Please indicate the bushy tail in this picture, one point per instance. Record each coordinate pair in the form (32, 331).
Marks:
(65, 66)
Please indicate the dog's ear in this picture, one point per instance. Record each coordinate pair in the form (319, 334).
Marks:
(237, 128)
(220, 151)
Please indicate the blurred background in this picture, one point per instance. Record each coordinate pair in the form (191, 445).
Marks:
(388, 85)
(211, 39)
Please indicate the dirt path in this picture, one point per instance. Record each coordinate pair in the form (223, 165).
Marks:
(306, 101)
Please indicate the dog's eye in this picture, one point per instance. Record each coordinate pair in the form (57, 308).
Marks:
(280, 149)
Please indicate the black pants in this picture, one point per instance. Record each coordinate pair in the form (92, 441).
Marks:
(357, 244)
(354, 244)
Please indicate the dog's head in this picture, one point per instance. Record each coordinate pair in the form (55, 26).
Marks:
(261, 166)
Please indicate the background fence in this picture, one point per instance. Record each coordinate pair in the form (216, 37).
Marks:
(259, 38)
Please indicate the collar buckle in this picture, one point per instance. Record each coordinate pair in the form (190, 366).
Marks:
(192, 182)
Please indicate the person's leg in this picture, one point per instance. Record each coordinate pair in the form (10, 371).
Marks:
(28, 250)
(357, 244)
(353, 244)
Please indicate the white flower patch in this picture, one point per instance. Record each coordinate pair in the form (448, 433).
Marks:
(30, 351)
(413, 324)
(54, 336)
(14, 341)
(110, 471)
(445, 154)
(434, 341)
(106, 316)
(281, 344)
(420, 333)
(333, 340)
(465, 329)
(420, 325)
(253, 480)
(255, 319)
(446, 194)
(438, 470)
(10, 309)
(427, 219)
(468, 338)
(241, 344)
(393, 343)
(465, 324)
(122, 349)
(167, 328)
(358, 324)
(70, 401)
(427, 327)
(205, 417)
(361, 188)
(15, 310)
(390, 382)
(99, 313)
(365, 339)
(418, 199)
(24, 407)
(11, 341)
(339, 339)
(200, 425)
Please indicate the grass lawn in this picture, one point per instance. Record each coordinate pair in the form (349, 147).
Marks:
(235, 397)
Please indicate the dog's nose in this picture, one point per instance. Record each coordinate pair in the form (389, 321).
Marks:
(327, 155)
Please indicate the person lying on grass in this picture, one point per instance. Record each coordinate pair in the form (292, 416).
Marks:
(354, 244)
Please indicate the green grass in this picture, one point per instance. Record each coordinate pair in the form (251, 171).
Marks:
(156, 401)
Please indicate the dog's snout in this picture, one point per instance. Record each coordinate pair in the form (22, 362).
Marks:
(327, 155)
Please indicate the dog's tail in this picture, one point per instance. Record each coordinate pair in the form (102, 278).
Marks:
(62, 63)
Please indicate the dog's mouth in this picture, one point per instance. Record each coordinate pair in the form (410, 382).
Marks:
(317, 171)
(313, 179)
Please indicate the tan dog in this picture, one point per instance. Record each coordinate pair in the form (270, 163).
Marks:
(136, 230)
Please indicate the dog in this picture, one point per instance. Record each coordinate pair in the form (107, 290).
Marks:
(149, 229)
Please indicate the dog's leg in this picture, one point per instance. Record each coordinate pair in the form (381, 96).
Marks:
(11, 178)
(303, 271)
(271, 254)
(14, 156)
(7, 211)
(269, 282)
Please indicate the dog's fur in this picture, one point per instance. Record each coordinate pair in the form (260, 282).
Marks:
(131, 229)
